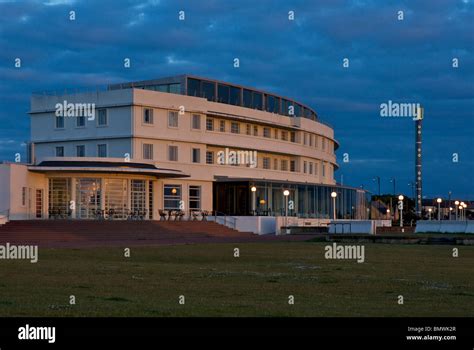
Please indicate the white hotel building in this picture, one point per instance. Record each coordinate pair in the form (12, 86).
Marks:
(153, 146)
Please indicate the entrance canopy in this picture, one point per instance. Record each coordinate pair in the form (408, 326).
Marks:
(104, 166)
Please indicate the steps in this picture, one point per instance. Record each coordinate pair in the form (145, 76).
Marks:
(92, 232)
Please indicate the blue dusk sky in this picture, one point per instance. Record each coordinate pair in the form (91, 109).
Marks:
(407, 61)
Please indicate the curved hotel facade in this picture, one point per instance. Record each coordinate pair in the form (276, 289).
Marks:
(183, 142)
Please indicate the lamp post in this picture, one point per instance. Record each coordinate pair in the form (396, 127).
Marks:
(286, 193)
(334, 195)
(394, 191)
(429, 214)
(456, 206)
(439, 200)
(388, 213)
(378, 201)
(253, 189)
(464, 210)
(450, 212)
(400, 207)
(460, 212)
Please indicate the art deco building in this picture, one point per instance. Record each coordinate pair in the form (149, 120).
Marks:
(169, 144)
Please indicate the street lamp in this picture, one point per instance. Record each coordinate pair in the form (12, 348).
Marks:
(400, 206)
(429, 214)
(253, 189)
(450, 212)
(334, 195)
(286, 193)
(388, 213)
(456, 206)
(439, 200)
(460, 212)
(464, 210)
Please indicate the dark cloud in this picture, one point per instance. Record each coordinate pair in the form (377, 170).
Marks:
(402, 61)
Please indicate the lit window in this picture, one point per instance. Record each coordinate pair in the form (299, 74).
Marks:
(173, 119)
(172, 196)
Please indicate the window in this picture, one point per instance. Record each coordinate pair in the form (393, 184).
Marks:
(293, 136)
(172, 196)
(80, 151)
(23, 196)
(315, 168)
(272, 104)
(196, 155)
(305, 167)
(257, 100)
(173, 153)
(223, 93)
(311, 168)
(147, 116)
(196, 124)
(266, 132)
(284, 135)
(266, 163)
(297, 110)
(222, 125)
(60, 151)
(311, 140)
(324, 143)
(148, 151)
(247, 98)
(305, 139)
(292, 165)
(173, 119)
(248, 129)
(102, 117)
(275, 164)
(59, 122)
(235, 96)
(255, 130)
(324, 170)
(235, 128)
(284, 165)
(316, 141)
(194, 197)
(209, 157)
(80, 121)
(276, 133)
(284, 107)
(209, 124)
(102, 150)
(208, 90)
(194, 88)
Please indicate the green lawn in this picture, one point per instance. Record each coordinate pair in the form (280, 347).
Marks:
(258, 283)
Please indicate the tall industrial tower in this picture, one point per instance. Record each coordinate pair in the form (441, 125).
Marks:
(418, 129)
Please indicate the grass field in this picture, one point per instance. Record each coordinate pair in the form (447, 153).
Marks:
(258, 283)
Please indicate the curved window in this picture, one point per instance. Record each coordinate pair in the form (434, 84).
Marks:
(208, 90)
(223, 94)
(257, 100)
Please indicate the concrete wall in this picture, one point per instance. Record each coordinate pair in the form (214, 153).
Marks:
(352, 227)
(444, 226)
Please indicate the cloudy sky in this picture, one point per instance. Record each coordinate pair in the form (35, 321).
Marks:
(409, 60)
